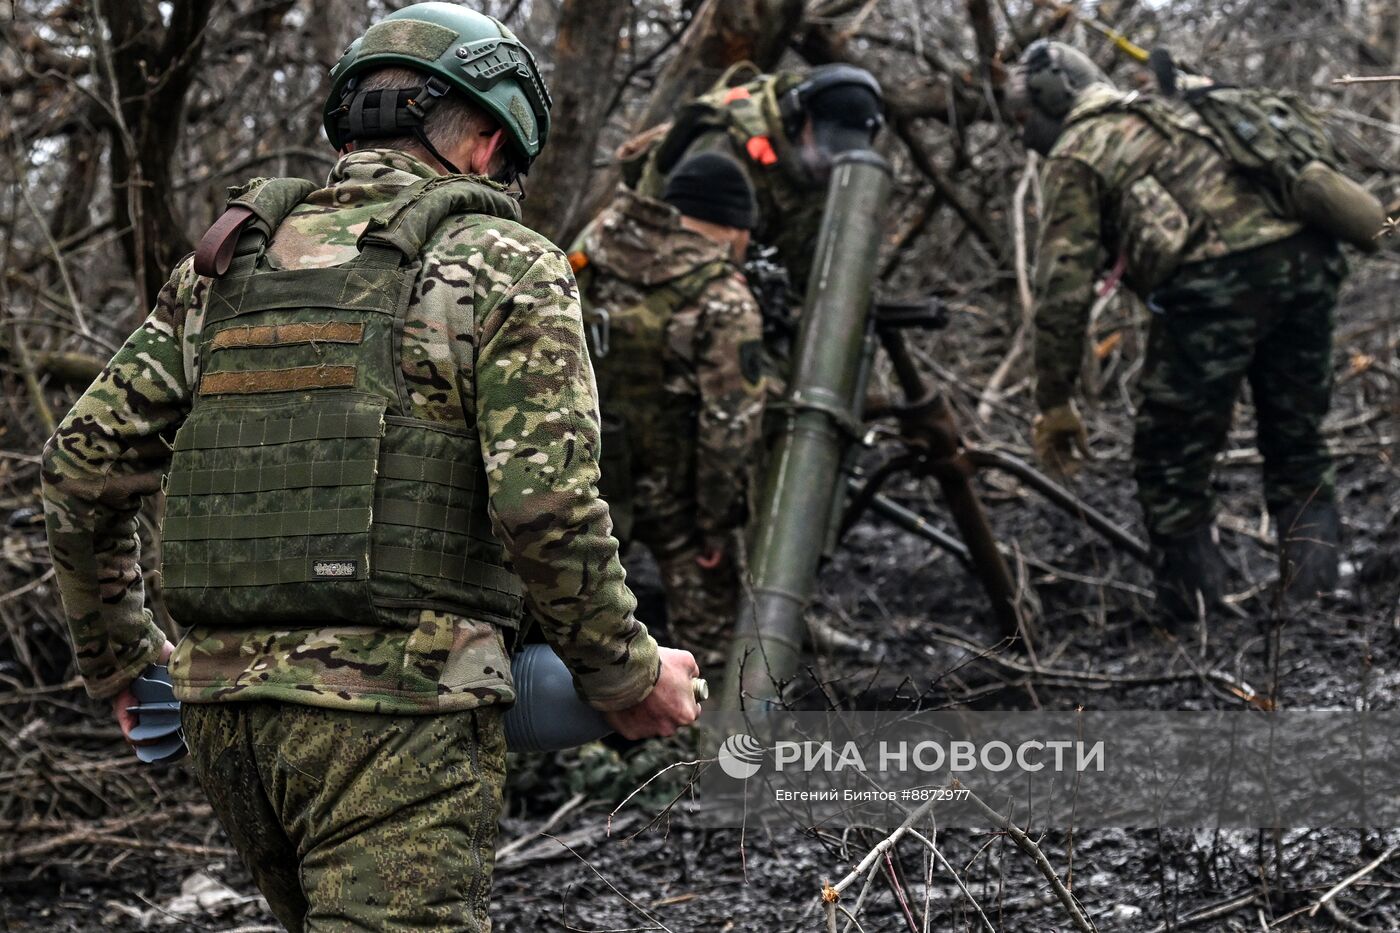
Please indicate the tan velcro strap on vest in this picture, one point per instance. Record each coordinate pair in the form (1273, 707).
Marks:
(277, 380)
(215, 250)
(285, 335)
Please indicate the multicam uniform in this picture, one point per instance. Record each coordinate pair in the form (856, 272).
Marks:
(683, 376)
(744, 123)
(300, 729)
(1236, 292)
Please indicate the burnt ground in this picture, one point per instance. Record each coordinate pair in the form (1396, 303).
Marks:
(62, 764)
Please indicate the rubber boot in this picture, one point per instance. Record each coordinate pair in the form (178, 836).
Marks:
(1309, 544)
(1189, 574)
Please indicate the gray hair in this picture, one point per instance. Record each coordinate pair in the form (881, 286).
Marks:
(453, 121)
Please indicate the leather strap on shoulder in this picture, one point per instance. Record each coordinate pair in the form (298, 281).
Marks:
(215, 249)
(263, 205)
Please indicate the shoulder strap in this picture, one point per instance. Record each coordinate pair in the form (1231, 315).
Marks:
(409, 221)
(692, 284)
(259, 206)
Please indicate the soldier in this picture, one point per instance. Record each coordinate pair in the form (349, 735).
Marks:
(368, 398)
(679, 367)
(1237, 290)
(784, 130)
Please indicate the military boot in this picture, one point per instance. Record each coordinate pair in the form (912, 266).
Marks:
(1189, 574)
(1309, 541)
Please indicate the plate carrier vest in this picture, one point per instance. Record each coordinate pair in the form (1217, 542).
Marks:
(303, 491)
(628, 345)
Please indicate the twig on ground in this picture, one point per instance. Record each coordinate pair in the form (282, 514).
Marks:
(1092, 679)
(631, 903)
(568, 806)
(1354, 877)
(1210, 912)
(1365, 79)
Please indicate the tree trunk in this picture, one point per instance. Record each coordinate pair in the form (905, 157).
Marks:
(151, 68)
(585, 51)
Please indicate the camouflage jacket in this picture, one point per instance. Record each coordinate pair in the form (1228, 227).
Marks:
(683, 370)
(493, 338)
(1137, 179)
(744, 123)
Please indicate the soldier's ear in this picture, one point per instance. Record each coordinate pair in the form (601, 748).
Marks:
(488, 154)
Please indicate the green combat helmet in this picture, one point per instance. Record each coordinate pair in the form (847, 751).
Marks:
(456, 49)
(1049, 79)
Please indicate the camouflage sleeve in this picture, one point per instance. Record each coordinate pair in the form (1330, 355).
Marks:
(728, 360)
(108, 453)
(537, 414)
(1067, 261)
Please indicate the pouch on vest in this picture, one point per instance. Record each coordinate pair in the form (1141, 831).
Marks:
(303, 489)
(630, 374)
(1333, 203)
(1154, 236)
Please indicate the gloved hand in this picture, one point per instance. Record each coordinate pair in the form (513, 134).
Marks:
(1056, 435)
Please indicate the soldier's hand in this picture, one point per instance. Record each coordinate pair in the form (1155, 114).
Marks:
(670, 705)
(1057, 435)
(120, 702)
(711, 558)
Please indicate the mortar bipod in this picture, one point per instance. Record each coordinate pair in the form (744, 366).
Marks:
(935, 448)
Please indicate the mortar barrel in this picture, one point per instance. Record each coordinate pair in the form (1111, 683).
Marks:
(818, 423)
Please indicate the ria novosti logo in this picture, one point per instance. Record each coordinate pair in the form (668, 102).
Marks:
(741, 756)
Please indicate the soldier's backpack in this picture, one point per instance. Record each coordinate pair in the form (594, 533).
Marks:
(743, 101)
(1277, 140)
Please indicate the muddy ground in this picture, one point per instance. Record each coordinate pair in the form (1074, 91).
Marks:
(62, 764)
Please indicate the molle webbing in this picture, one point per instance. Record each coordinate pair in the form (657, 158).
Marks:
(349, 287)
(303, 489)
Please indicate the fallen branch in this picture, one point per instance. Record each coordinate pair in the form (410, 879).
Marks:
(1211, 912)
(564, 810)
(71, 368)
(1351, 879)
(1365, 79)
(1091, 679)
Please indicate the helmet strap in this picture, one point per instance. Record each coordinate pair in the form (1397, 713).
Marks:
(392, 112)
(427, 144)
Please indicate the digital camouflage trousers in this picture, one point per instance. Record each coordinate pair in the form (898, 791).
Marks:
(357, 821)
(1264, 317)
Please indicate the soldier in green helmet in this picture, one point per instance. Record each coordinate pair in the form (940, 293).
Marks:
(371, 411)
(784, 129)
(678, 351)
(1238, 288)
